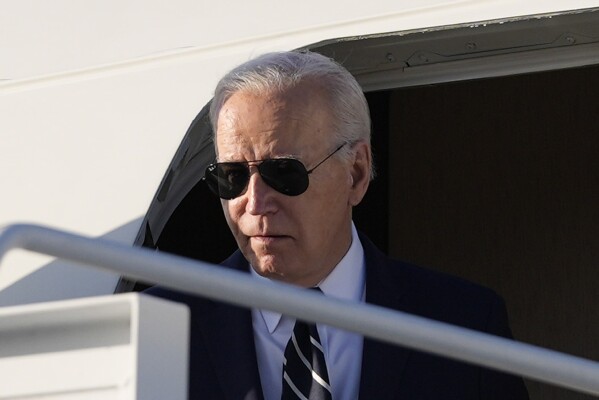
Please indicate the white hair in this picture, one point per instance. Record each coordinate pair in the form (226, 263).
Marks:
(282, 71)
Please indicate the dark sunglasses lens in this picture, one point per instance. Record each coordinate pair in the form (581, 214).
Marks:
(227, 180)
(285, 175)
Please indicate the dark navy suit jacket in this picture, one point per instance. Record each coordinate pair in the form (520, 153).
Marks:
(223, 358)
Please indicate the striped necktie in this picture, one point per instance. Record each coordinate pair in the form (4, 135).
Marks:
(305, 373)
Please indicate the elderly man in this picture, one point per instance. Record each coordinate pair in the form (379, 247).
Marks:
(292, 138)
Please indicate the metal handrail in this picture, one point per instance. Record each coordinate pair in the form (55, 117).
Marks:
(234, 287)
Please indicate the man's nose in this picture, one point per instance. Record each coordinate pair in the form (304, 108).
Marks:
(260, 196)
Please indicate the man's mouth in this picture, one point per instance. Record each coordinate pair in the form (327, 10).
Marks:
(268, 239)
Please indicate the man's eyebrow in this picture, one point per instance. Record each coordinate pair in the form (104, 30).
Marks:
(275, 157)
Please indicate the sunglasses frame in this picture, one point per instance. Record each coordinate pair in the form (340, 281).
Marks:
(213, 183)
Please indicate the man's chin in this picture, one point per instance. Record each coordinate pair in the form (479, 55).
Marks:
(267, 270)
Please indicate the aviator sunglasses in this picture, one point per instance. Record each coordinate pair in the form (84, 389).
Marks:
(289, 176)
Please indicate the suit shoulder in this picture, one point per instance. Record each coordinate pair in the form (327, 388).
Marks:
(409, 277)
(194, 302)
(442, 282)
(234, 261)
(451, 299)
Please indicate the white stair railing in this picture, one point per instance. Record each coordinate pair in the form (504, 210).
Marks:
(395, 327)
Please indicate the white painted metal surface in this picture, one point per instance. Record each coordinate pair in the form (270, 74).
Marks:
(124, 347)
(95, 97)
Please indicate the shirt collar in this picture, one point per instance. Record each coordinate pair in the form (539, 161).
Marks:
(346, 280)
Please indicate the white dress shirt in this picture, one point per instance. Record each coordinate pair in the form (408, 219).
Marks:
(342, 349)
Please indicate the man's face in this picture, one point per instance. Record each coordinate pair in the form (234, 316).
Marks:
(296, 239)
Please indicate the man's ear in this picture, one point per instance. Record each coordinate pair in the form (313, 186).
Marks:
(360, 172)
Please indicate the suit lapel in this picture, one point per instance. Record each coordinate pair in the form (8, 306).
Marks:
(235, 358)
(382, 363)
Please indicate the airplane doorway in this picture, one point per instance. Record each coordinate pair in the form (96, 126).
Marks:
(496, 180)
(486, 171)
